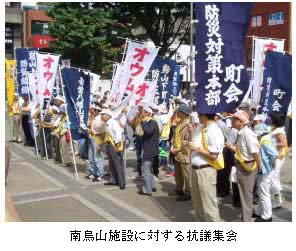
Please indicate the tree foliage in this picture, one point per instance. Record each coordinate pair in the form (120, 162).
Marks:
(165, 23)
(86, 33)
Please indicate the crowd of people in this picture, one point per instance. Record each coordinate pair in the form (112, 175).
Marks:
(209, 155)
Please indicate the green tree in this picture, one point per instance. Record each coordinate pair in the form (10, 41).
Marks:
(165, 23)
(86, 33)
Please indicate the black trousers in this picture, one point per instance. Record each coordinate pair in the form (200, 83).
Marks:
(26, 128)
(223, 183)
(116, 168)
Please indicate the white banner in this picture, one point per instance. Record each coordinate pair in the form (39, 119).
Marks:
(95, 83)
(47, 66)
(145, 93)
(115, 91)
(33, 86)
(138, 60)
(261, 46)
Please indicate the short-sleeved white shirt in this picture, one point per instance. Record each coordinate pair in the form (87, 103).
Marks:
(232, 137)
(248, 143)
(215, 140)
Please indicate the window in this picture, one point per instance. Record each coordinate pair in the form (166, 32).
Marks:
(276, 18)
(256, 21)
(39, 28)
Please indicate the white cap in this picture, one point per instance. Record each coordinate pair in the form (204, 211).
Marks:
(107, 111)
(59, 97)
(259, 117)
(162, 108)
(54, 107)
(143, 104)
(148, 109)
(154, 106)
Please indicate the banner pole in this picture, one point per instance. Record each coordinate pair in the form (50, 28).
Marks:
(191, 56)
(33, 122)
(71, 144)
(43, 132)
(191, 66)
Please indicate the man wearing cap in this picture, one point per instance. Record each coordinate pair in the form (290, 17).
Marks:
(63, 145)
(150, 150)
(165, 120)
(114, 149)
(206, 146)
(181, 154)
(96, 142)
(47, 120)
(16, 135)
(258, 119)
(247, 161)
(268, 156)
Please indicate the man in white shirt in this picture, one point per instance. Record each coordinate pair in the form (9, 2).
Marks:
(247, 161)
(206, 146)
(114, 140)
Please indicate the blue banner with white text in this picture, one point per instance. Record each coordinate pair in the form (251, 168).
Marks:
(26, 63)
(167, 74)
(77, 92)
(277, 83)
(221, 73)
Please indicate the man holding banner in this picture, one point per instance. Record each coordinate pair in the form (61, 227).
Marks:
(222, 81)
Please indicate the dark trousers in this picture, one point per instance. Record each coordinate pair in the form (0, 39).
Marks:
(116, 168)
(223, 183)
(138, 144)
(29, 141)
(48, 140)
(58, 156)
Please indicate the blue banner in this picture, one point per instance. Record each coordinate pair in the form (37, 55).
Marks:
(167, 74)
(277, 83)
(26, 63)
(77, 93)
(221, 73)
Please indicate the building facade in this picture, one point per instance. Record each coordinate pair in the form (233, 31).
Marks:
(270, 20)
(13, 28)
(36, 28)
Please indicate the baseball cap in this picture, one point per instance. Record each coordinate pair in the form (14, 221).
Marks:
(184, 108)
(241, 115)
(107, 111)
(260, 129)
(148, 109)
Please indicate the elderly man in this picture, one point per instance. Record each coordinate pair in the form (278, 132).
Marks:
(96, 142)
(114, 149)
(16, 135)
(247, 160)
(207, 147)
(150, 150)
(181, 154)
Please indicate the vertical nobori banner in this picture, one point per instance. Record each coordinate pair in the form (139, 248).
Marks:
(221, 73)
(277, 83)
(145, 93)
(47, 66)
(115, 89)
(261, 46)
(77, 92)
(167, 75)
(26, 63)
(10, 79)
(138, 60)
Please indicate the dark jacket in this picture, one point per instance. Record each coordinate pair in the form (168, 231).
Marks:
(150, 139)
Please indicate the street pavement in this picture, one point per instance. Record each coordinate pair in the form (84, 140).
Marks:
(44, 191)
